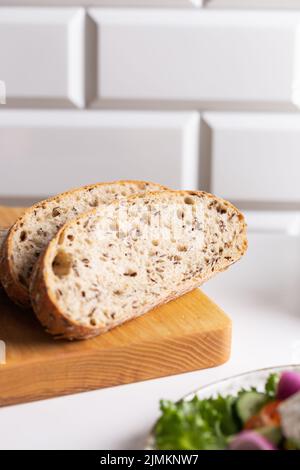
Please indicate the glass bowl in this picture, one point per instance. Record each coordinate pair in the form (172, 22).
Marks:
(231, 386)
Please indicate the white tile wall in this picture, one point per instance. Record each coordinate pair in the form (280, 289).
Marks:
(283, 4)
(279, 222)
(40, 56)
(47, 152)
(255, 157)
(203, 59)
(149, 75)
(106, 3)
(252, 3)
(2, 92)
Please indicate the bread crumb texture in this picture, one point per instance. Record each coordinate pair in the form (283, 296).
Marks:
(113, 264)
(32, 232)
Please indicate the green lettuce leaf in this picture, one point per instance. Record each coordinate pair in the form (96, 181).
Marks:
(202, 424)
(271, 385)
(196, 424)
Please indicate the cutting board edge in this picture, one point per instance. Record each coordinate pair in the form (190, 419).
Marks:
(62, 381)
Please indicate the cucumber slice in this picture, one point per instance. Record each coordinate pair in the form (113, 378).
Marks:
(248, 404)
(290, 445)
(272, 433)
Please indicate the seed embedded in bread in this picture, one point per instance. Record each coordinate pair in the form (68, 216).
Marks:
(3, 235)
(35, 228)
(123, 277)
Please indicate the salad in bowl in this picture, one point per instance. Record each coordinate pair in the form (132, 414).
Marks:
(255, 411)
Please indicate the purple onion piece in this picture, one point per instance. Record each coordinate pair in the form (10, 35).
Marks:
(250, 440)
(289, 384)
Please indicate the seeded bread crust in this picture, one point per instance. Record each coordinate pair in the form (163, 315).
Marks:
(58, 324)
(18, 292)
(3, 234)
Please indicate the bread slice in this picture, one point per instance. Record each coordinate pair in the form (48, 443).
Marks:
(118, 262)
(36, 227)
(3, 234)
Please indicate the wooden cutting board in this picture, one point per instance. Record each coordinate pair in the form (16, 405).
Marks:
(187, 334)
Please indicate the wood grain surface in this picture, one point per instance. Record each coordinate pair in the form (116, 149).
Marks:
(189, 333)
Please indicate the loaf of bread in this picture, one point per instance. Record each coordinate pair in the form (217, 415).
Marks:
(120, 261)
(36, 227)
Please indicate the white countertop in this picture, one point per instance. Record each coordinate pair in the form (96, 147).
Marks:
(261, 294)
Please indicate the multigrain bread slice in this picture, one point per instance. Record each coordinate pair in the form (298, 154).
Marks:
(36, 227)
(116, 263)
(3, 234)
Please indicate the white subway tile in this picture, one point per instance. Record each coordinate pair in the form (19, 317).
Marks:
(254, 157)
(276, 222)
(45, 152)
(205, 59)
(41, 52)
(250, 4)
(105, 3)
